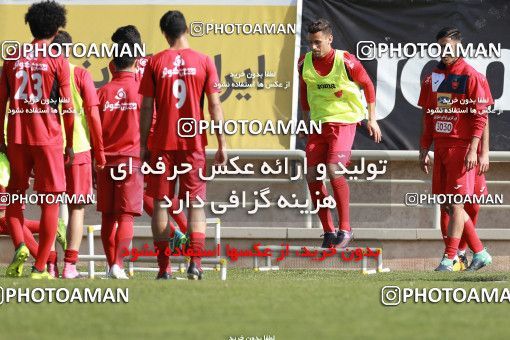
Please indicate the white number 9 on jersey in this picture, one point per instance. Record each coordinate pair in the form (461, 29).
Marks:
(179, 92)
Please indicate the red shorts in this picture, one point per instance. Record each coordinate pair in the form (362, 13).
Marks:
(158, 186)
(47, 162)
(79, 175)
(331, 146)
(449, 175)
(118, 197)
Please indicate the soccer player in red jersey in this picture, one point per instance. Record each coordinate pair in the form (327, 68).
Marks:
(459, 96)
(87, 131)
(119, 197)
(330, 82)
(177, 80)
(472, 209)
(32, 85)
(131, 34)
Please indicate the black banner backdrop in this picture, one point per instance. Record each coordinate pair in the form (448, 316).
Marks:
(397, 81)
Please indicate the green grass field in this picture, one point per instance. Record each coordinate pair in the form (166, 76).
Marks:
(288, 304)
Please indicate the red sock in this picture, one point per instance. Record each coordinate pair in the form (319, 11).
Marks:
(108, 232)
(47, 233)
(52, 258)
(172, 229)
(163, 259)
(324, 213)
(30, 242)
(32, 225)
(472, 210)
(148, 204)
(123, 237)
(71, 256)
(14, 217)
(445, 219)
(452, 245)
(341, 192)
(471, 237)
(179, 218)
(197, 245)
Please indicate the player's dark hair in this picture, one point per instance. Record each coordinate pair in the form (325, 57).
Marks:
(449, 32)
(62, 37)
(173, 24)
(45, 18)
(320, 25)
(124, 59)
(127, 33)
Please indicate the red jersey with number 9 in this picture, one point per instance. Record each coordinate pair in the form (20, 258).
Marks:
(34, 86)
(178, 80)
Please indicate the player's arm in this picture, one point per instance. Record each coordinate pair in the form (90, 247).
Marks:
(96, 134)
(148, 91)
(303, 93)
(426, 126)
(63, 77)
(216, 112)
(146, 114)
(425, 141)
(4, 98)
(90, 106)
(360, 76)
(483, 157)
(476, 89)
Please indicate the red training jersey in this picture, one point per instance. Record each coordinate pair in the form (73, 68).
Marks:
(178, 80)
(119, 109)
(454, 99)
(34, 86)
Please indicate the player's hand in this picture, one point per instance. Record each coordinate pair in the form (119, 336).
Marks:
(68, 156)
(99, 165)
(424, 160)
(471, 159)
(483, 161)
(221, 157)
(374, 130)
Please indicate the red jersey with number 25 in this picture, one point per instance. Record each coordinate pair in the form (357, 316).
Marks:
(178, 80)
